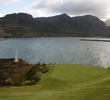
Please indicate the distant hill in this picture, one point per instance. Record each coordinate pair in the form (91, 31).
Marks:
(107, 22)
(24, 25)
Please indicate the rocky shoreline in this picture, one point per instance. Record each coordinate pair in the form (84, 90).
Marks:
(1, 39)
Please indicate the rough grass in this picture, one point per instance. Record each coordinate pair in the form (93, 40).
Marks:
(65, 82)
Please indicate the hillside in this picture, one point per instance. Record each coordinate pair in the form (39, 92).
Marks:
(24, 25)
(20, 73)
(65, 82)
(10, 70)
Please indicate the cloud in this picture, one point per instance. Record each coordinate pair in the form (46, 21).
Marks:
(42, 7)
(1, 14)
(99, 8)
(8, 1)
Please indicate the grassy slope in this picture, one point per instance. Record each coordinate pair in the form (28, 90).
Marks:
(65, 82)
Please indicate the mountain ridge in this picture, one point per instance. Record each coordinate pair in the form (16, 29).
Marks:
(24, 25)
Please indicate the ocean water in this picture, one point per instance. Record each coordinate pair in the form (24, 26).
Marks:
(57, 50)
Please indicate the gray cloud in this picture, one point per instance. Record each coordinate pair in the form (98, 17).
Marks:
(99, 8)
(84, 7)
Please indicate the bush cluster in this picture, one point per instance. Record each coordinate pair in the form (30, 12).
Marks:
(32, 76)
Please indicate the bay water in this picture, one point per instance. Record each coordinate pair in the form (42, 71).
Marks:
(68, 50)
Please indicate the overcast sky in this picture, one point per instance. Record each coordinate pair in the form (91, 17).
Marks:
(41, 8)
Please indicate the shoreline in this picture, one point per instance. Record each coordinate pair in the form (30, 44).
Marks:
(94, 40)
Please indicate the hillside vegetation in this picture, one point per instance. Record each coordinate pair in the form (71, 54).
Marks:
(65, 82)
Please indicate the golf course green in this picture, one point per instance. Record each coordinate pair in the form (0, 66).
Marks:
(64, 82)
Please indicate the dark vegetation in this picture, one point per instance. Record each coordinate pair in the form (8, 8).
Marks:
(32, 76)
(20, 73)
(24, 25)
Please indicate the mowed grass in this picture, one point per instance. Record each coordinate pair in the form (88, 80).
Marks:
(65, 82)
